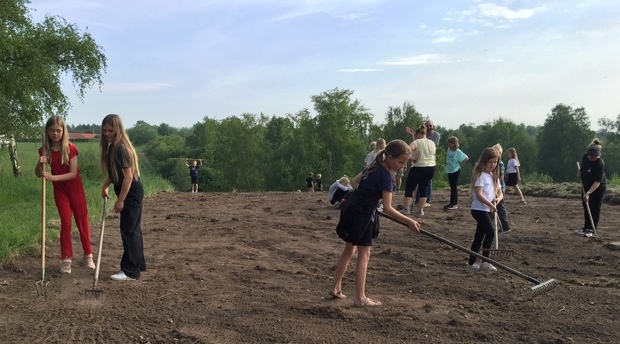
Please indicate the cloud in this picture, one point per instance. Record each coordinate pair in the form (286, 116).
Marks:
(359, 70)
(423, 59)
(494, 11)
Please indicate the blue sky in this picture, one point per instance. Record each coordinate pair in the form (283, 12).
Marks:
(457, 61)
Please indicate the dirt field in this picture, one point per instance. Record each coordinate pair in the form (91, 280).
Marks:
(257, 268)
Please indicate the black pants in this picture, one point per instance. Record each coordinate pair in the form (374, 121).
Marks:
(484, 234)
(132, 262)
(453, 178)
(338, 196)
(503, 217)
(595, 202)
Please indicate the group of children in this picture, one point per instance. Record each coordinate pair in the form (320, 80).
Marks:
(311, 184)
(373, 188)
(119, 163)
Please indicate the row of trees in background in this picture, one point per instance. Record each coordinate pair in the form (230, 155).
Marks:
(255, 152)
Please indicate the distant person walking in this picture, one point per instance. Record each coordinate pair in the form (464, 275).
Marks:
(486, 191)
(594, 182)
(455, 159)
(310, 182)
(62, 156)
(319, 182)
(120, 163)
(514, 173)
(193, 174)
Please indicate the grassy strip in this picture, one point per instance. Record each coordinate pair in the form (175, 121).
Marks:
(20, 198)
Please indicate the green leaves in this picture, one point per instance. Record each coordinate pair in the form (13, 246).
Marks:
(33, 59)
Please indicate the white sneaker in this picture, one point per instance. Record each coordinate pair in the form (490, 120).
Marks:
(472, 268)
(120, 276)
(421, 213)
(487, 267)
(65, 266)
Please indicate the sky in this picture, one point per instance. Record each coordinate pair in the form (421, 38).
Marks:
(457, 61)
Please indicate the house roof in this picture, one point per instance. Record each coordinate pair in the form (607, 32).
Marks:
(82, 136)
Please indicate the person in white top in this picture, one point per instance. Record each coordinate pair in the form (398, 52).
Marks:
(422, 169)
(487, 192)
(370, 157)
(513, 173)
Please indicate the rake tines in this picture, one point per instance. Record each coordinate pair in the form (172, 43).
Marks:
(499, 252)
(544, 287)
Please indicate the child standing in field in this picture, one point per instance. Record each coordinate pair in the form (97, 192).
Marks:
(501, 206)
(310, 182)
(120, 163)
(319, 182)
(514, 174)
(193, 174)
(455, 158)
(69, 195)
(359, 221)
(486, 191)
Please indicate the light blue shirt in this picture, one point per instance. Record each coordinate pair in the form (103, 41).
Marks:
(454, 158)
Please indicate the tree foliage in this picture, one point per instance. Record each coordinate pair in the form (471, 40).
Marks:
(562, 141)
(34, 57)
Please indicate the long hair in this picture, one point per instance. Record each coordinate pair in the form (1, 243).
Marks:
(120, 139)
(394, 149)
(64, 142)
(488, 154)
(513, 152)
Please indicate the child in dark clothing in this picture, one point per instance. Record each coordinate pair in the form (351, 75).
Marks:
(359, 222)
(310, 182)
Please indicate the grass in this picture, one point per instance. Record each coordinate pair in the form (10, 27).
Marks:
(21, 198)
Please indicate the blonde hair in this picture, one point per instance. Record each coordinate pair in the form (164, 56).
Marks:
(488, 154)
(64, 142)
(513, 152)
(344, 179)
(454, 140)
(499, 149)
(120, 139)
(394, 149)
(380, 145)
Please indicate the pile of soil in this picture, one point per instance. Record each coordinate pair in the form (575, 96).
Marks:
(257, 268)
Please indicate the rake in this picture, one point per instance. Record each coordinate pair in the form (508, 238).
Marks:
(96, 291)
(583, 192)
(42, 284)
(496, 251)
(539, 288)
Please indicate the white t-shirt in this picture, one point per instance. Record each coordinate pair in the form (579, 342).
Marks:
(512, 166)
(488, 191)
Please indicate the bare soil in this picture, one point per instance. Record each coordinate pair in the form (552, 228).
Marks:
(257, 268)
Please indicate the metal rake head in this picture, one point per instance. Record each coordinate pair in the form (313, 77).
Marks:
(96, 292)
(544, 287)
(499, 252)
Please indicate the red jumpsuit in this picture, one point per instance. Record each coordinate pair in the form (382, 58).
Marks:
(70, 200)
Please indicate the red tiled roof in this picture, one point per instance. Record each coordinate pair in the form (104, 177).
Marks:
(82, 136)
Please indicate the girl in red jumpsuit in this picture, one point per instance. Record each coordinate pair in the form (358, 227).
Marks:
(69, 195)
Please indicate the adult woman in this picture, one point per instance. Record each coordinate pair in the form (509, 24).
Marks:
(422, 169)
(592, 175)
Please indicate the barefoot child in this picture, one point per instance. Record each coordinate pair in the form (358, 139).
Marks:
(69, 196)
(359, 222)
(120, 163)
(487, 192)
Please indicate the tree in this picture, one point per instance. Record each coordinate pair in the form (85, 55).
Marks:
(611, 146)
(562, 140)
(342, 127)
(34, 57)
(142, 133)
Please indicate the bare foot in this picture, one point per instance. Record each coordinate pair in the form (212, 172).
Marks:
(368, 302)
